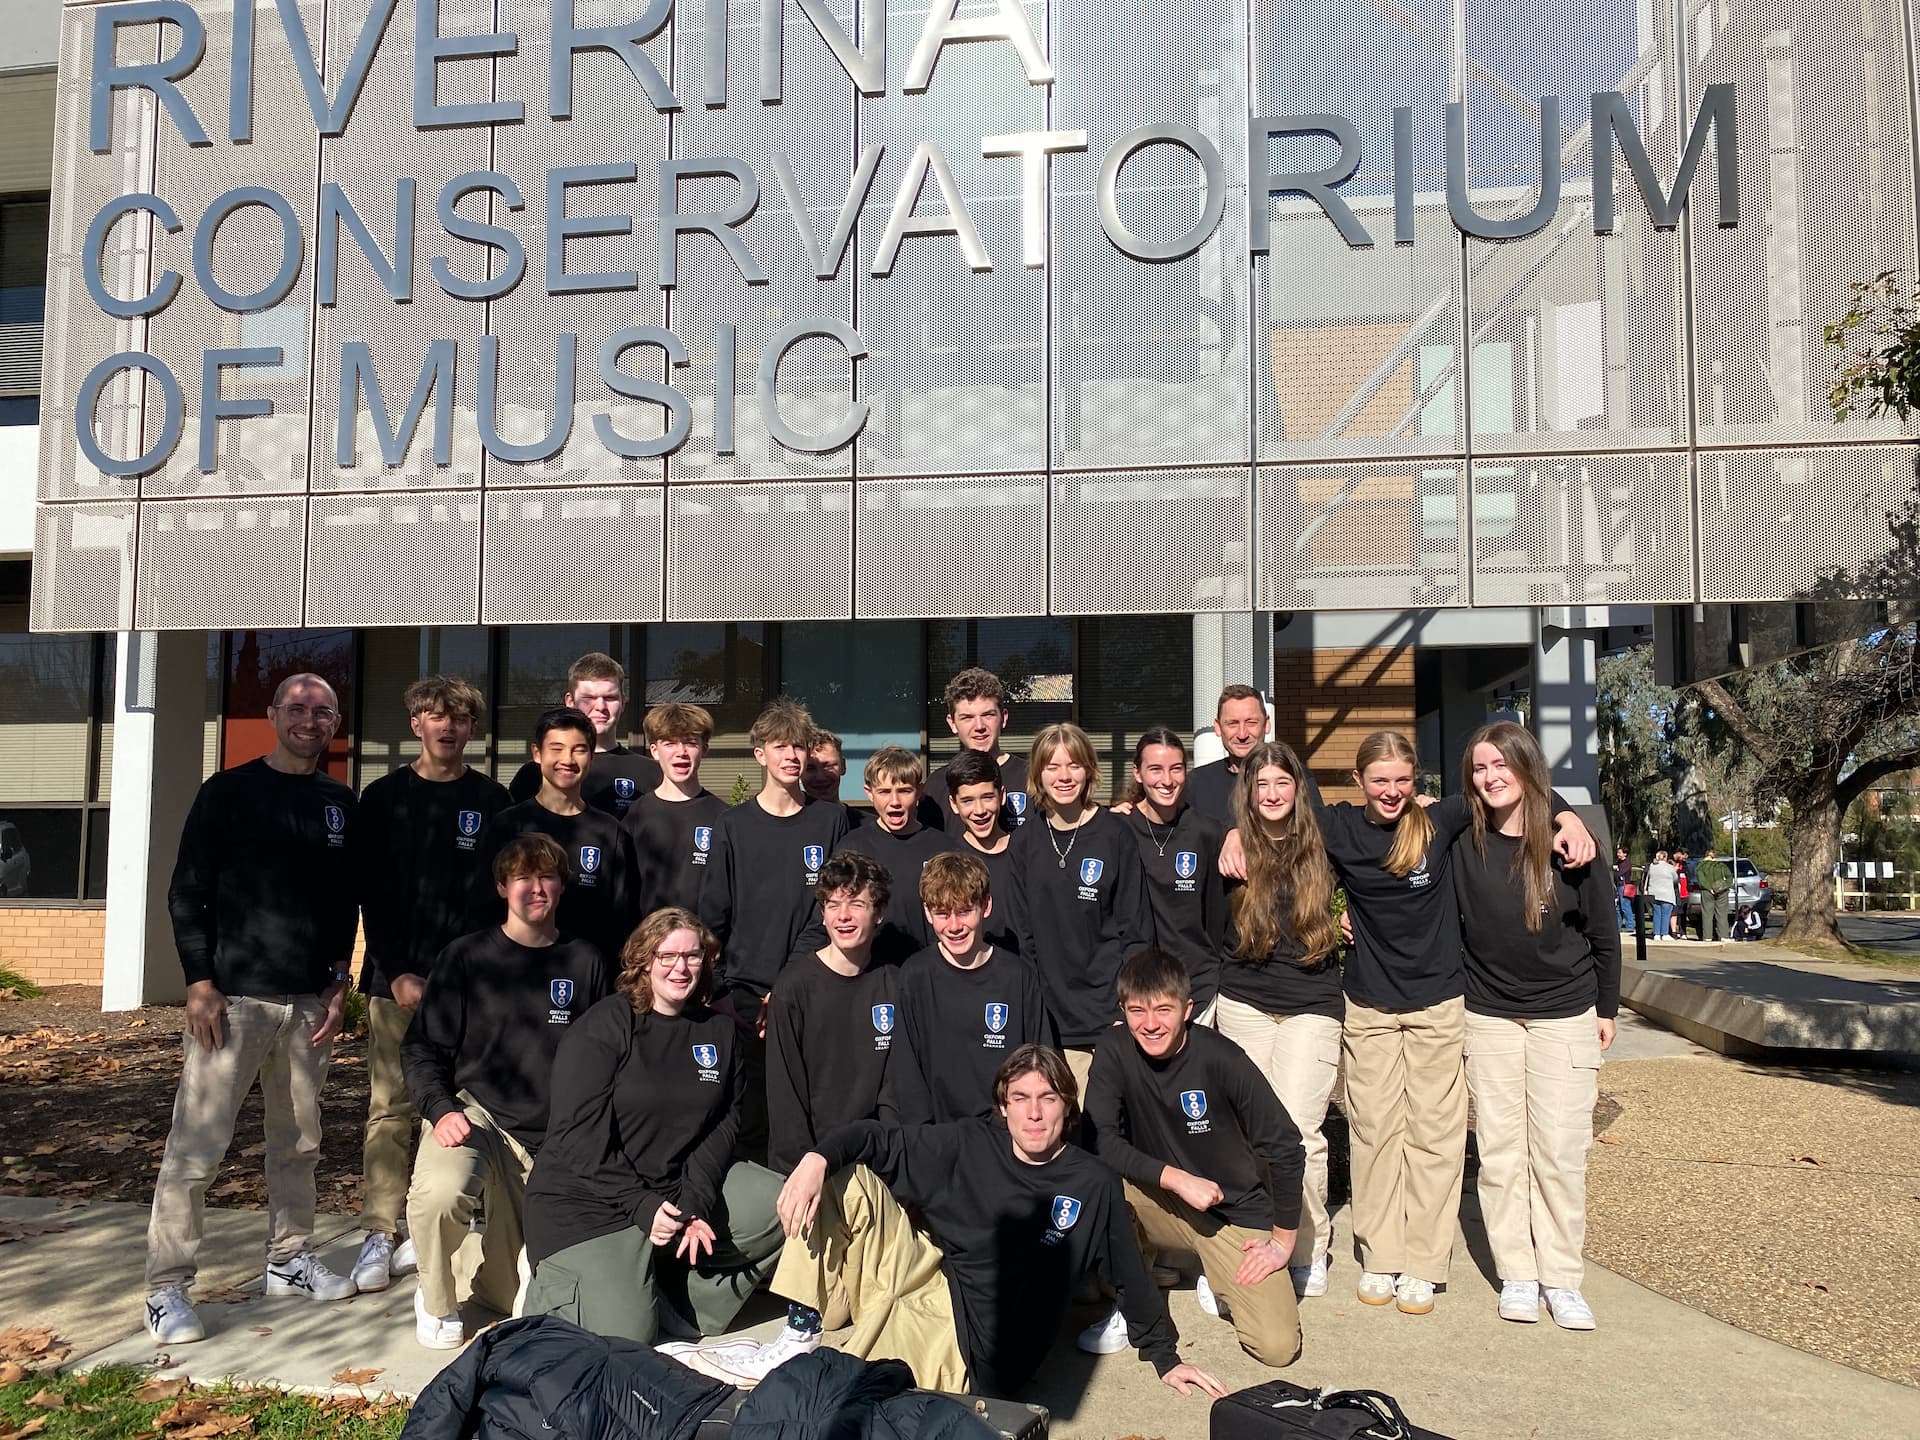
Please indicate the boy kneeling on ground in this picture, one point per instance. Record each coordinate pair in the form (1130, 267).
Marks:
(1212, 1161)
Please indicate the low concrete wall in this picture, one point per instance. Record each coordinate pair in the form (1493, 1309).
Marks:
(1721, 998)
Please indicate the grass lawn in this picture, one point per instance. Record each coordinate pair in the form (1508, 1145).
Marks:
(122, 1403)
(1856, 955)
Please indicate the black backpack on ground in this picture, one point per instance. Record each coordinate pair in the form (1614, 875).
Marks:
(1281, 1410)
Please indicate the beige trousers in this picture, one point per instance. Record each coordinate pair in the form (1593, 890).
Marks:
(1534, 1084)
(387, 1150)
(1407, 1117)
(1080, 1062)
(448, 1183)
(862, 1263)
(1300, 1056)
(267, 1039)
(1266, 1317)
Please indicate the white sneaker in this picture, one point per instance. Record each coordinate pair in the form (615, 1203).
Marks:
(404, 1261)
(170, 1317)
(680, 1350)
(709, 1360)
(1309, 1280)
(1412, 1295)
(305, 1275)
(1569, 1308)
(1203, 1296)
(1375, 1288)
(1520, 1300)
(373, 1268)
(1105, 1337)
(747, 1367)
(436, 1332)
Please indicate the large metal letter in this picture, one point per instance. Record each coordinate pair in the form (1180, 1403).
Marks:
(1316, 185)
(565, 40)
(431, 49)
(89, 399)
(826, 264)
(718, 224)
(903, 222)
(865, 64)
(560, 229)
(213, 409)
(331, 115)
(1033, 147)
(293, 247)
(1160, 251)
(767, 386)
(1009, 23)
(357, 374)
(549, 444)
(1460, 204)
(479, 232)
(679, 412)
(396, 276)
(159, 77)
(1612, 118)
(91, 254)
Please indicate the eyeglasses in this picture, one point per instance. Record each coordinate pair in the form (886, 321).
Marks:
(324, 714)
(677, 959)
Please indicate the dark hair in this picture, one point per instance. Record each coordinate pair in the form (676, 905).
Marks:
(1238, 692)
(975, 684)
(972, 767)
(636, 957)
(561, 717)
(595, 665)
(1052, 1066)
(1151, 973)
(783, 722)
(444, 695)
(850, 870)
(1133, 791)
(531, 854)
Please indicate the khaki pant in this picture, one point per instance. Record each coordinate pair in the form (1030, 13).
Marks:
(1407, 1117)
(1080, 1062)
(1534, 1084)
(1300, 1056)
(387, 1151)
(862, 1263)
(448, 1184)
(608, 1284)
(267, 1039)
(1715, 922)
(1266, 1317)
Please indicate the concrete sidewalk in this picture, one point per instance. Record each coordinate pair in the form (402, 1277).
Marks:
(1654, 1368)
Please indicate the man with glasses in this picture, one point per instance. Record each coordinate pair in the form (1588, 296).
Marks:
(264, 909)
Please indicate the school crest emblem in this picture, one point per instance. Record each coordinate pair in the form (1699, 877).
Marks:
(1018, 799)
(1194, 1102)
(706, 1056)
(469, 821)
(589, 858)
(814, 856)
(883, 1019)
(1185, 863)
(623, 788)
(336, 819)
(996, 1018)
(703, 838)
(1091, 871)
(561, 993)
(1066, 1210)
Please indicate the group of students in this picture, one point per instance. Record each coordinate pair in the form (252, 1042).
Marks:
(927, 1071)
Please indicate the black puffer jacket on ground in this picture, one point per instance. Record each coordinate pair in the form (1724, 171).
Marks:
(831, 1396)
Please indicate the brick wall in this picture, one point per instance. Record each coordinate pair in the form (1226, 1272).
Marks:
(53, 947)
(1325, 702)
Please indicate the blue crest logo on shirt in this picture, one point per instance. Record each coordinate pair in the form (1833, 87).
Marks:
(703, 838)
(623, 787)
(336, 819)
(706, 1056)
(1091, 871)
(1066, 1210)
(562, 993)
(589, 858)
(1018, 799)
(996, 1018)
(883, 1019)
(814, 856)
(469, 822)
(1194, 1102)
(1185, 863)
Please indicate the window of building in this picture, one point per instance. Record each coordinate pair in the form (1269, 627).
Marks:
(863, 680)
(1034, 660)
(724, 668)
(390, 661)
(23, 306)
(534, 661)
(1135, 672)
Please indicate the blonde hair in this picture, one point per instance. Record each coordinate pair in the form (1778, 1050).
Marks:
(636, 957)
(896, 763)
(1413, 832)
(1528, 764)
(1288, 870)
(1079, 747)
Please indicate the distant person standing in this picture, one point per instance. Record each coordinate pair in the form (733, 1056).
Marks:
(1623, 892)
(264, 910)
(1715, 880)
(597, 688)
(1663, 890)
(1682, 887)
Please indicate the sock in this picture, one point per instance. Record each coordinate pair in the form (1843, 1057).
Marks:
(803, 1318)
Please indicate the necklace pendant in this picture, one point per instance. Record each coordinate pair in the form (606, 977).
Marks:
(1063, 862)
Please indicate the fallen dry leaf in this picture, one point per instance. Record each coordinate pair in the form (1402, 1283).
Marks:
(260, 1329)
(49, 1147)
(20, 1229)
(1815, 1285)
(12, 1372)
(1805, 1160)
(31, 1345)
(32, 1427)
(158, 1389)
(1608, 1139)
(357, 1377)
(214, 1426)
(47, 1400)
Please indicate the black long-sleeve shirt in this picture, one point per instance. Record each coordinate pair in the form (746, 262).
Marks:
(419, 849)
(1187, 892)
(493, 1015)
(1279, 984)
(615, 779)
(904, 857)
(936, 807)
(1210, 789)
(1002, 930)
(757, 895)
(1080, 920)
(264, 897)
(955, 1028)
(1207, 1110)
(1571, 962)
(1015, 1236)
(672, 843)
(646, 1109)
(598, 903)
(830, 1044)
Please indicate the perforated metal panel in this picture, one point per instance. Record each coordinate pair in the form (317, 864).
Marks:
(760, 552)
(1152, 542)
(1361, 537)
(1821, 522)
(78, 334)
(1576, 336)
(83, 573)
(1583, 530)
(566, 557)
(951, 547)
(402, 560)
(220, 564)
(1826, 198)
